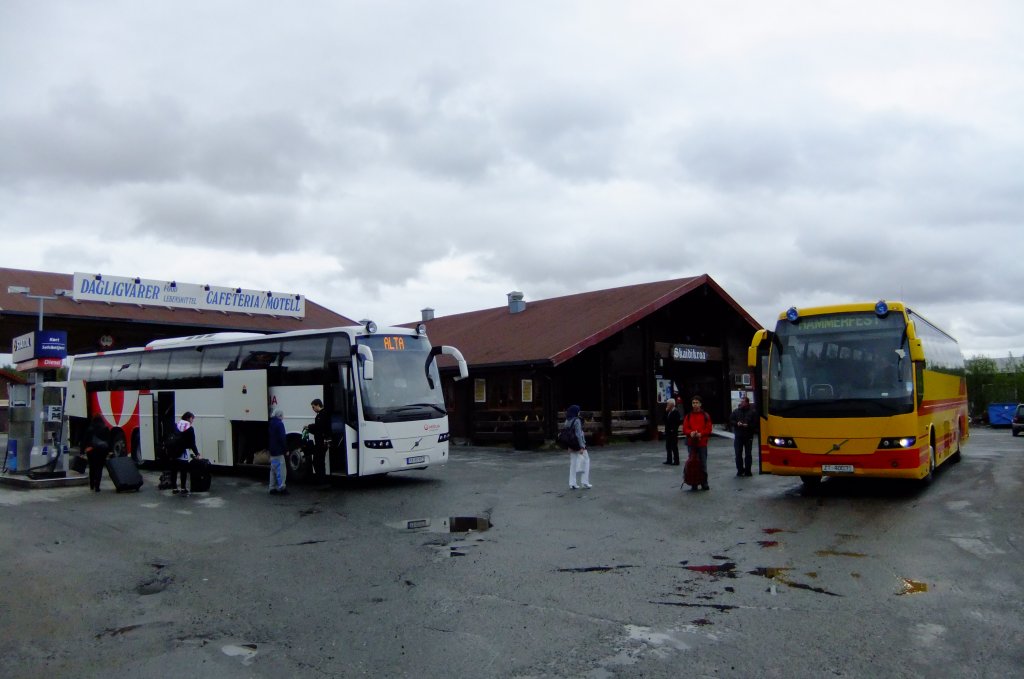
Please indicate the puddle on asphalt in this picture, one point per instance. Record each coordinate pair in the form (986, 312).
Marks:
(725, 569)
(594, 569)
(246, 652)
(833, 552)
(779, 575)
(912, 587)
(449, 524)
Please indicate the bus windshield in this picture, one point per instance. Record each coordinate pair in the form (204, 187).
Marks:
(399, 390)
(841, 365)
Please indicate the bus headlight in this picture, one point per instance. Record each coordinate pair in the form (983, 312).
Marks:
(902, 442)
(782, 442)
(379, 444)
(441, 438)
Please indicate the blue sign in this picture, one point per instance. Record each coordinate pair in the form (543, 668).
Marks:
(40, 344)
(51, 344)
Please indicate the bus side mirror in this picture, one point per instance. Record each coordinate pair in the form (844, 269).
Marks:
(760, 337)
(448, 351)
(366, 354)
(457, 355)
(916, 350)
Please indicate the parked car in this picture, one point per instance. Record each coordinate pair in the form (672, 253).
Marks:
(1017, 423)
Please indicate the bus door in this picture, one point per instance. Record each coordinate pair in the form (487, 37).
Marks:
(146, 432)
(757, 361)
(343, 457)
(165, 418)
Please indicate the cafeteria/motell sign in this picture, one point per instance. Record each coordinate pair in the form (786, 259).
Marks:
(120, 290)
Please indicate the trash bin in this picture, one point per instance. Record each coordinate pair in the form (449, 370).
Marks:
(1001, 414)
(520, 436)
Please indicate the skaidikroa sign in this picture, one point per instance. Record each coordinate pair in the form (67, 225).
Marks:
(118, 290)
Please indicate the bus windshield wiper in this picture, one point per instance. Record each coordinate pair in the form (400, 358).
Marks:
(416, 406)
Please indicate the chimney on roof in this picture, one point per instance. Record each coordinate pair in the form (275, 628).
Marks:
(516, 304)
(427, 314)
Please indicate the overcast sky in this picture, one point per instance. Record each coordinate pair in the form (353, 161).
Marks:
(382, 157)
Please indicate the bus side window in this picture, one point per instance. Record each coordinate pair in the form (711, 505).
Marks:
(216, 360)
(303, 360)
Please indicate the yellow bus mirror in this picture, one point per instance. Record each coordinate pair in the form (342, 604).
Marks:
(755, 344)
(916, 350)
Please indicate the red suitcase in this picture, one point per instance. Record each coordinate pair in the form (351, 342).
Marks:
(693, 475)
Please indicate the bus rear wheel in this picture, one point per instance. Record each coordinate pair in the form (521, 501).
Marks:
(118, 445)
(298, 465)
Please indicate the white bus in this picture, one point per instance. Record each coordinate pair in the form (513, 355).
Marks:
(381, 388)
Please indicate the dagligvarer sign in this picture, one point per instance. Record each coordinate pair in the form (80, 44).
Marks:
(115, 289)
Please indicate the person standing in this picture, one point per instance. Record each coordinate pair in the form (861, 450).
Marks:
(278, 445)
(579, 459)
(672, 421)
(186, 443)
(321, 431)
(743, 421)
(96, 446)
(697, 430)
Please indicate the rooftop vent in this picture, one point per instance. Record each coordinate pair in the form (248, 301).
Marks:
(427, 314)
(515, 302)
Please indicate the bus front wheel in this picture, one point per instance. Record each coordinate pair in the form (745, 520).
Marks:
(931, 466)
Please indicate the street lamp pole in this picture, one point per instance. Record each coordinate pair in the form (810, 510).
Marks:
(37, 402)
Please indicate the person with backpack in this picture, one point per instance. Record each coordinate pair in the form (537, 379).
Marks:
(697, 431)
(579, 459)
(186, 449)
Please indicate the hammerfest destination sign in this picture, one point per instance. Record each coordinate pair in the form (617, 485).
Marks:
(94, 287)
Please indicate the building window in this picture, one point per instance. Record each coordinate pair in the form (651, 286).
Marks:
(526, 389)
(479, 390)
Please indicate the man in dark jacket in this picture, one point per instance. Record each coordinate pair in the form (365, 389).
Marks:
(96, 446)
(744, 425)
(278, 444)
(321, 431)
(672, 421)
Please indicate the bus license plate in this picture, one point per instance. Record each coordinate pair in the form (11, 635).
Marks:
(837, 469)
(421, 459)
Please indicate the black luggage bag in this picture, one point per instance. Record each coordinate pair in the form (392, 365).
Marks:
(199, 476)
(79, 464)
(124, 474)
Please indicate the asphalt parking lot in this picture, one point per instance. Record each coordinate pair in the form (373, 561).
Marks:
(492, 567)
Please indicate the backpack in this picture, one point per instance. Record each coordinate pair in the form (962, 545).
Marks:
(172, 444)
(567, 436)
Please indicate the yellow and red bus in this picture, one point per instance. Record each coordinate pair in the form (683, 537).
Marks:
(858, 390)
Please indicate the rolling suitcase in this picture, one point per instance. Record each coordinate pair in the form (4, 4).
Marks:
(79, 464)
(693, 476)
(199, 476)
(124, 474)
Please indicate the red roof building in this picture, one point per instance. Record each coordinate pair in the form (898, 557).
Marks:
(617, 353)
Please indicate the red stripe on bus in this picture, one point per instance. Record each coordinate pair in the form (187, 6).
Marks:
(941, 404)
(910, 458)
